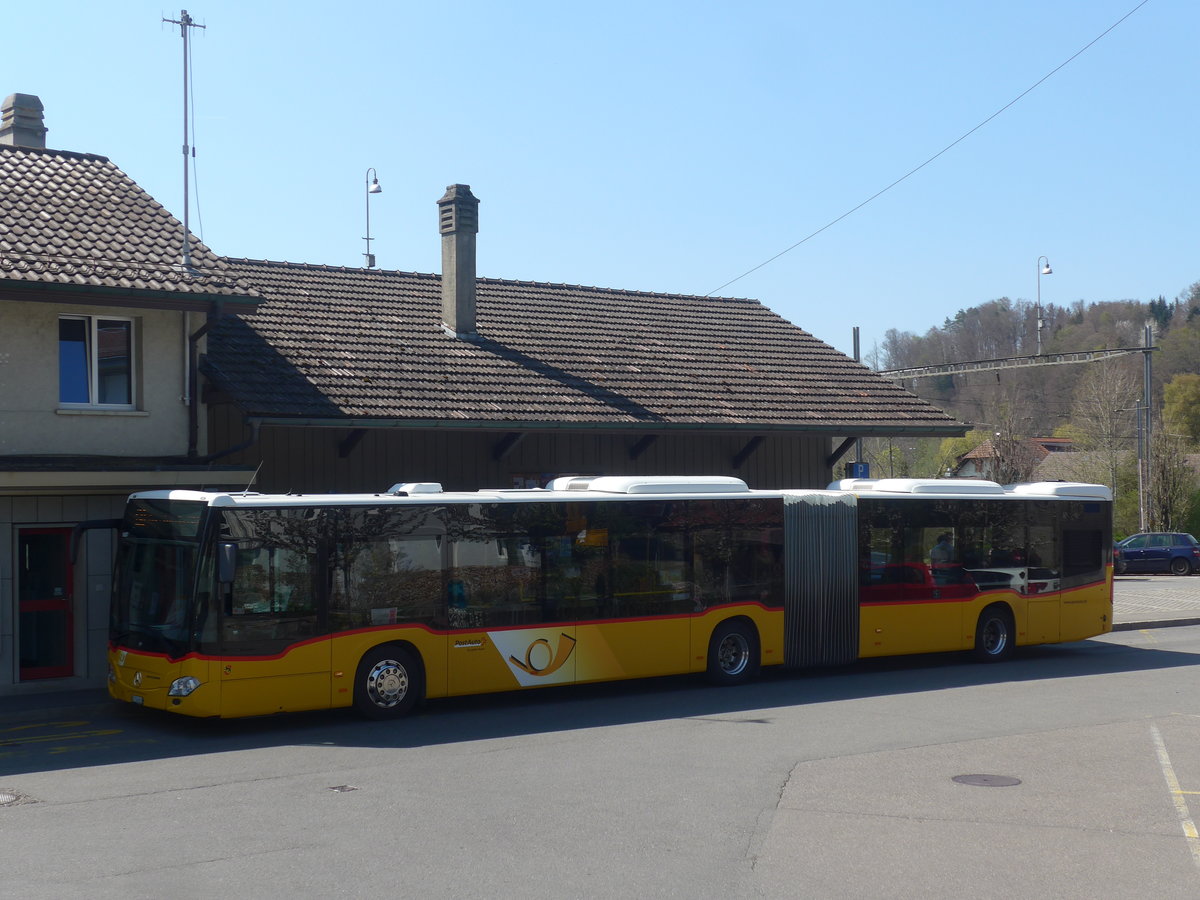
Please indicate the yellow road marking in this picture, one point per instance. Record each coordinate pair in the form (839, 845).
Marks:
(1181, 807)
(43, 725)
(51, 731)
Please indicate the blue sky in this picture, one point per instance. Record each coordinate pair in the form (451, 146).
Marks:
(664, 146)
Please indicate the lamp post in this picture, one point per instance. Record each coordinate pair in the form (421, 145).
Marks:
(1041, 270)
(372, 182)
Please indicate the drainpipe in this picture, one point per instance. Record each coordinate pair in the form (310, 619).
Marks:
(255, 425)
(192, 391)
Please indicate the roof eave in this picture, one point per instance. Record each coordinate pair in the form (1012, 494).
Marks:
(98, 295)
(841, 429)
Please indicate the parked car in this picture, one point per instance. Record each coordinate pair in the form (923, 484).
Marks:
(1160, 551)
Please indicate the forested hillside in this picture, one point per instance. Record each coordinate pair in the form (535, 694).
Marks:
(1093, 404)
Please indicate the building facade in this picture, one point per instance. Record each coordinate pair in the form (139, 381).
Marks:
(132, 357)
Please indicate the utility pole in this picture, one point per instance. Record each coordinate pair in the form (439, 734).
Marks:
(1145, 444)
(185, 22)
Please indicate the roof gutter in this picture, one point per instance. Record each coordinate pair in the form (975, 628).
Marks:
(950, 429)
(54, 292)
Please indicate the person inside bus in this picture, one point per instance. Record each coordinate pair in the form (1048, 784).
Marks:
(943, 561)
(943, 551)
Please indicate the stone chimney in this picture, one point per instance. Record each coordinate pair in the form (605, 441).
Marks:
(21, 121)
(458, 221)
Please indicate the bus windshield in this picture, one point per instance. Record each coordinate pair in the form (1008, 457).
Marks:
(156, 563)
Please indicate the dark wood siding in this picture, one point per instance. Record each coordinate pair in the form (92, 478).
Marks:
(311, 459)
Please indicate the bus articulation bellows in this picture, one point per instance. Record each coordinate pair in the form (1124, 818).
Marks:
(237, 604)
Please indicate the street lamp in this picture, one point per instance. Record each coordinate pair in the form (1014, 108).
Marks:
(1041, 270)
(372, 182)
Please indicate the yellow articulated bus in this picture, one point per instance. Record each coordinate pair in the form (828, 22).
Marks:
(240, 604)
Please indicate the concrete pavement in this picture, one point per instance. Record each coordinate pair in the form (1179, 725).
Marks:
(1155, 601)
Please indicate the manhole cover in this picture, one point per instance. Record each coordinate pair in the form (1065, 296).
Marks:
(987, 780)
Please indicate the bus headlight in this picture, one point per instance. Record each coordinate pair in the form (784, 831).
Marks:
(181, 687)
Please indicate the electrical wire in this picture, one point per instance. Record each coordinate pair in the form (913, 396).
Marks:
(948, 147)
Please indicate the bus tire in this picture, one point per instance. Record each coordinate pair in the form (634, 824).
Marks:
(733, 656)
(995, 634)
(389, 682)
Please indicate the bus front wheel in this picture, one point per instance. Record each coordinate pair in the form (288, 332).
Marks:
(733, 652)
(389, 683)
(995, 635)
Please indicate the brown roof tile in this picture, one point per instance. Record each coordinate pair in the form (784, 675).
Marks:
(334, 343)
(75, 219)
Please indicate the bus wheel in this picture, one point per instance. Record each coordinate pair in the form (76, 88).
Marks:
(388, 684)
(733, 652)
(994, 635)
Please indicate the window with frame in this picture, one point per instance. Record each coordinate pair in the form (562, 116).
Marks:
(95, 361)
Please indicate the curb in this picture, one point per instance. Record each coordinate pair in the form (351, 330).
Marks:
(1160, 623)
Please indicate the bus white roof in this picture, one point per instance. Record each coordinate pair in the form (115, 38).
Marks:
(565, 488)
(960, 487)
(571, 488)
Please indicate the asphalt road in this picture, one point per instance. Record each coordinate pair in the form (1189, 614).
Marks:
(830, 784)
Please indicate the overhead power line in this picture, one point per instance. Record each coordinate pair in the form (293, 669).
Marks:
(948, 147)
(1011, 362)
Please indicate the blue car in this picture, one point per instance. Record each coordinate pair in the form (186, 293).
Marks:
(1159, 551)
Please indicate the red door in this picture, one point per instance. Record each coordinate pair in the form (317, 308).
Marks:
(45, 621)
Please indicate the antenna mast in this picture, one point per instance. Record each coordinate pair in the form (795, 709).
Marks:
(185, 22)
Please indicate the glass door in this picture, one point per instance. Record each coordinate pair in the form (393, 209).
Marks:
(45, 619)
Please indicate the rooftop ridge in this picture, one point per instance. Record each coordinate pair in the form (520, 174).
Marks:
(49, 151)
(321, 267)
(506, 282)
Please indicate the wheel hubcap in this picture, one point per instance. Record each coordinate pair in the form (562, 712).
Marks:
(387, 683)
(734, 654)
(995, 637)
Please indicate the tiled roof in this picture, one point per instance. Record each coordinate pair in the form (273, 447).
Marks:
(357, 344)
(1038, 447)
(76, 220)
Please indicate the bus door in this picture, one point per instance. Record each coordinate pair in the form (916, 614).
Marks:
(505, 632)
(635, 600)
(274, 654)
(1042, 577)
(935, 589)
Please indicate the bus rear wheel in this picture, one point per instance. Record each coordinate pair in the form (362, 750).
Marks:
(995, 635)
(733, 653)
(388, 684)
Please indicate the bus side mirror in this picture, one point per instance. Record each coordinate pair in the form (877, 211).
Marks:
(226, 561)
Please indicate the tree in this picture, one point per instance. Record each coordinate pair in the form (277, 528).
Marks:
(1172, 482)
(1181, 406)
(1161, 311)
(1102, 414)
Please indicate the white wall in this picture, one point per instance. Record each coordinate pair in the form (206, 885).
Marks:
(31, 420)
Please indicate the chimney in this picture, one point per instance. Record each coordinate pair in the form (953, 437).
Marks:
(21, 121)
(458, 221)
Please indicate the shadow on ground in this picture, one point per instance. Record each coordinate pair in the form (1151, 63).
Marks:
(122, 734)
